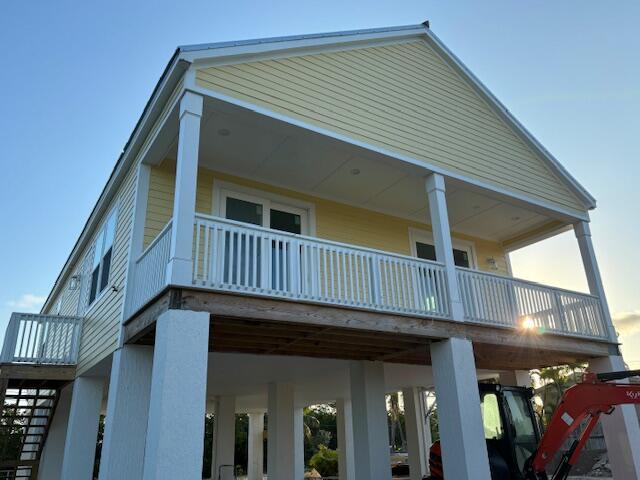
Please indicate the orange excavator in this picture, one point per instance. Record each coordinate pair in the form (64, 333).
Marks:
(517, 449)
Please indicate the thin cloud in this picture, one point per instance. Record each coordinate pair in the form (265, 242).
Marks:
(28, 303)
(627, 323)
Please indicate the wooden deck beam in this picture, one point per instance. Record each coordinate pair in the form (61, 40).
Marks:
(258, 325)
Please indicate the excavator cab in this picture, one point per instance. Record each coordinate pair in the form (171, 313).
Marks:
(510, 429)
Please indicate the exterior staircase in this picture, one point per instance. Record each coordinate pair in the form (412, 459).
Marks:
(38, 359)
(27, 410)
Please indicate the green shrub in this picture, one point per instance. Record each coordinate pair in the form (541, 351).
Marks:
(325, 461)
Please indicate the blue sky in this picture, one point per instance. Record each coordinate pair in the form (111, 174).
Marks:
(75, 77)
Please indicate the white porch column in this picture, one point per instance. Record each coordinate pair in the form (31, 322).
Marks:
(515, 378)
(592, 271)
(82, 430)
(464, 449)
(371, 451)
(53, 452)
(621, 429)
(256, 446)
(442, 239)
(344, 421)
(281, 433)
(175, 430)
(418, 432)
(298, 443)
(127, 414)
(224, 438)
(180, 267)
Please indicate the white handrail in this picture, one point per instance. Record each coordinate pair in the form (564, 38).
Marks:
(148, 275)
(239, 257)
(510, 302)
(235, 256)
(42, 339)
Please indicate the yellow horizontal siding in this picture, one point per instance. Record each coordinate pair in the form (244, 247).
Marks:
(103, 319)
(334, 221)
(401, 97)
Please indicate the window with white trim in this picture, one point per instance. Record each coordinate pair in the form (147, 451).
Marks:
(102, 256)
(422, 246)
(265, 209)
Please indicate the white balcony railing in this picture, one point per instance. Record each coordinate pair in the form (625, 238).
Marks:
(234, 256)
(149, 272)
(42, 339)
(511, 302)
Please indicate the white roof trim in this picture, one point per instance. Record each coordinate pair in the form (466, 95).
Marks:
(206, 51)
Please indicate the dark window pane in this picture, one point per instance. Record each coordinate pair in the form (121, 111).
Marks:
(285, 221)
(93, 291)
(460, 258)
(106, 268)
(425, 251)
(243, 211)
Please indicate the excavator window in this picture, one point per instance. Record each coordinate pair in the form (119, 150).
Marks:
(524, 435)
(491, 416)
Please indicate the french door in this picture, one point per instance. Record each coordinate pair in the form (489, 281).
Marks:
(269, 260)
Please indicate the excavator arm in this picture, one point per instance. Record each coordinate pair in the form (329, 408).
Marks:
(584, 401)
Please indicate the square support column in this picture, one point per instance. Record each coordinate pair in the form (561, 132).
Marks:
(82, 430)
(344, 424)
(464, 449)
(282, 451)
(224, 439)
(418, 432)
(370, 432)
(442, 240)
(592, 271)
(256, 446)
(180, 267)
(515, 378)
(125, 428)
(621, 428)
(53, 452)
(175, 430)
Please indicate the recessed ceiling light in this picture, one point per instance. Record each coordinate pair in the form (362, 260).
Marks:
(224, 132)
(355, 171)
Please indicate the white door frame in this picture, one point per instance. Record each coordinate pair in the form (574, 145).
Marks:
(307, 211)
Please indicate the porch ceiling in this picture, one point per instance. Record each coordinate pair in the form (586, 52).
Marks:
(246, 144)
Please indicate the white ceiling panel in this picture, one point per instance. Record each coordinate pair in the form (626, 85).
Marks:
(242, 150)
(302, 160)
(405, 197)
(464, 204)
(359, 179)
(488, 223)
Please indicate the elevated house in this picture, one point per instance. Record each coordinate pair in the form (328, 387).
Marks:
(294, 221)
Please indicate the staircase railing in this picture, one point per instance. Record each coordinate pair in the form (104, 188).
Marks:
(42, 339)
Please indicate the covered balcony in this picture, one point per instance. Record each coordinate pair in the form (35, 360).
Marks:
(262, 208)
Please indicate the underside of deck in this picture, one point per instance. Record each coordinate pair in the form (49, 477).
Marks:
(245, 324)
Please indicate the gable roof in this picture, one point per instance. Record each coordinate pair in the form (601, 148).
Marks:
(266, 56)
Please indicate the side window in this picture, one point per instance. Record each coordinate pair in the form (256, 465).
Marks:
(427, 251)
(491, 417)
(102, 252)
